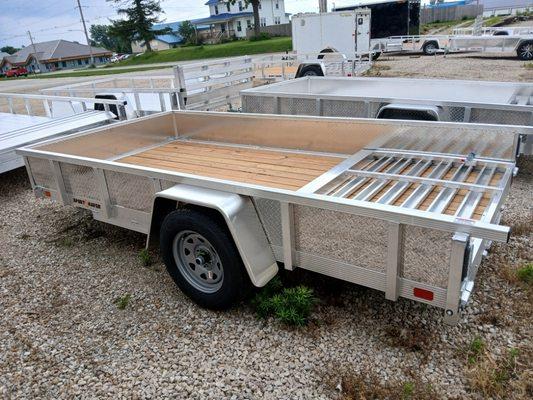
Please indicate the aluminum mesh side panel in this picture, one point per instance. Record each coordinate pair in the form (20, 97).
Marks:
(426, 255)
(270, 214)
(501, 117)
(80, 181)
(130, 191)
(343, 108)
(42, 173)
(453, 114)
(295, 106)
(258, 104)
(352, 239)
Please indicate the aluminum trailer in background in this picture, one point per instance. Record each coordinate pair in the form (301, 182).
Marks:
(199, 86)
(520, 45)
(502, 103)
(27, 118)
(403, 207)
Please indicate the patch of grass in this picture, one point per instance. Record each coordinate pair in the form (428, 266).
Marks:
(475, 350)
(376, 70)
(425, 28)
(498, 377)
(528, 65)
(231, 49)
(492, 21)
(146, 258)
(88, 72)
(525, 274)
(412, 339)
(365, 385)
(291, 306)
(65, 241)
(123, 301)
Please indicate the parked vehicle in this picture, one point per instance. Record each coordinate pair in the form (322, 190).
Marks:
(502, 103)
(404, 207)
(16, 72)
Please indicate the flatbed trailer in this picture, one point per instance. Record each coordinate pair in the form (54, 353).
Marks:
(27, 118)
(502, 103)
(520, 45)
(404, 207)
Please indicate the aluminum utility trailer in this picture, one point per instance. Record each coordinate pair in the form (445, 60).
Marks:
(519, 44)
(399, 98)
(404, 207)
(27, 118)
(198, 86)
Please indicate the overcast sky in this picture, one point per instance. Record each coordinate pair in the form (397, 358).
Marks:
(60, 19)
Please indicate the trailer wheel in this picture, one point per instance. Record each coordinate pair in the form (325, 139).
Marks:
(311, 70)
(202, 259)
(376, 55)
(525, 51)
(429, 48)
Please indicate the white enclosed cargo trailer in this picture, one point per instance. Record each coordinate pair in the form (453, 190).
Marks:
(345, 32)
(398, 206)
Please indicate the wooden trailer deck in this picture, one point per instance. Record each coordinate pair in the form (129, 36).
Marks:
(387, 179)
(282, 169)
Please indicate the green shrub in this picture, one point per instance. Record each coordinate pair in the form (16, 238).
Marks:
(122, 302)
(146, 258)
(476, 348)
(261, 36)
(525, 274)
(291, 306)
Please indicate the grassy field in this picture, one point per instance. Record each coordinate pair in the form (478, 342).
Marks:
(85, 72)
(231, 49)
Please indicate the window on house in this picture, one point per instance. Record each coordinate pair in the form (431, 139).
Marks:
(64, 64)
(277, 5)
(239, 26)
(228, 7)
(79, 62)
(249, 24)
(240, 6)
(216, 10)
(223, 27)
(263, 21)
(277, 20)
(259, 5)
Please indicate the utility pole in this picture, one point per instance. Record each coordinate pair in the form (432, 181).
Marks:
(322, 6)
(33, 47)
(86, 35)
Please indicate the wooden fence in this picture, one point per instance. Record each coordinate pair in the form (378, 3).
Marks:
(273, 30)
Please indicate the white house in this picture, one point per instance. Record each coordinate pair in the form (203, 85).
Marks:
(233, 19)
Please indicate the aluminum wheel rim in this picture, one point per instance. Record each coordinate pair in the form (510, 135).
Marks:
(310, 73)
(431, 48)
(198, 261)
(527, 51)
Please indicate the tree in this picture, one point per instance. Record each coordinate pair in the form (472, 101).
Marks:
(139, 18)
(101, 36)
(255, 7)
(9, 49)
(187, 32)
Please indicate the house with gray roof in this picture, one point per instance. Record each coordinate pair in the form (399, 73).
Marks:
(54, 55)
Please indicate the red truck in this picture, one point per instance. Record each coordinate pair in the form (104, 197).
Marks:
(17, 71)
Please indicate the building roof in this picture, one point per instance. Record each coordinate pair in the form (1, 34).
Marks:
(211, 2)
(363, 3)
(221, 17)
(53, 50)
(2, 55)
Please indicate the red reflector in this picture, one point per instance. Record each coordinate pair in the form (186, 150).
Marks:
(47, 193)
(423, 293)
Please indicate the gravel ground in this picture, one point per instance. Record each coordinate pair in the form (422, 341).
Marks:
(63, 336)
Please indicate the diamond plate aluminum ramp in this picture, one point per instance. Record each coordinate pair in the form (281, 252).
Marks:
(404, 207)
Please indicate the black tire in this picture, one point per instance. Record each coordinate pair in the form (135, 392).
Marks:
(376, 55)
(525, 51)
(310, 70)
(235, 283)
(429, 48)
(500, 33)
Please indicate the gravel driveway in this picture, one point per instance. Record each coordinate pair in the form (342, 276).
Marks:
(62, 334)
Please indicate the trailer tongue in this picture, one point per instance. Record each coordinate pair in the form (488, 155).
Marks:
(403, 207)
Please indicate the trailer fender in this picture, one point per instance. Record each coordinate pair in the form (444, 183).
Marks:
(418, 112)
(240, 216)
